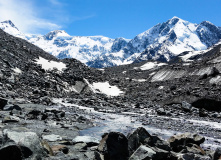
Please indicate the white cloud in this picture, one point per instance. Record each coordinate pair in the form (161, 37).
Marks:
(26, 16)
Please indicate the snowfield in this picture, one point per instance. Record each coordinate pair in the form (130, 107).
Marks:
(49, 65)
(106, 88)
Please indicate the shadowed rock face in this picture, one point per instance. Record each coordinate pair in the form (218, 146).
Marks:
(114, 146)
(208, 104)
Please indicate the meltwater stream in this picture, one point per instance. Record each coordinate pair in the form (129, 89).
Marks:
(125, 123)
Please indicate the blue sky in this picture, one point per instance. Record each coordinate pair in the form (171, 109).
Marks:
(111, 18)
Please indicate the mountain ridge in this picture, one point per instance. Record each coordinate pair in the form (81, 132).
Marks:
(162, 42)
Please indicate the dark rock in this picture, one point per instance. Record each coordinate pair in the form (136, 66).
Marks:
(114, 146)
(10, 152)
(155, 141)
(203, 113)
(3, 102)
(177, 141)
(161, 111)
(136, 138)
(10, 107)
(208, 104)
(143, 153)
(214, 72)
(217, 154)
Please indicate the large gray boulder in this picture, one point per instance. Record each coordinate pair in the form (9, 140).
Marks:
(28, 140)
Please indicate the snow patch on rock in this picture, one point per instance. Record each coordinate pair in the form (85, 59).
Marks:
(49, 65)
(106, 88)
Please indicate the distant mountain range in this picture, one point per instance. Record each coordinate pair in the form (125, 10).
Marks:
(162, 42)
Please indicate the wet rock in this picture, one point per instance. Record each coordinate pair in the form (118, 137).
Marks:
(142, 153)
(136, 138)
(114, 146)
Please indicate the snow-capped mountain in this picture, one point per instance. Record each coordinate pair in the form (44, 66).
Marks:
(161, 42)
(10, 28)
(62, 45)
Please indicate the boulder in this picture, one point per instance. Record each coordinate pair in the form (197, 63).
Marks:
(114, 146)
(136, 138)
(143, 153)
(176, 142)
(10, 152)
(29, 140)
(155, 141)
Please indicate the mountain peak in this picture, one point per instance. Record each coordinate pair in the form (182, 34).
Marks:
(9, 22)
(56, 33)
(174, 20)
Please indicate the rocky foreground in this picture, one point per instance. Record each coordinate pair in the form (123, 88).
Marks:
(31, 131)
